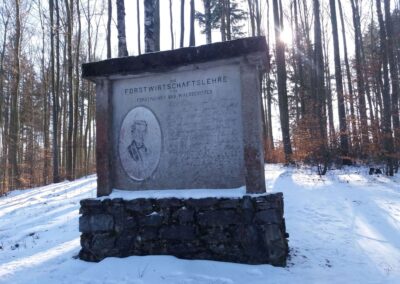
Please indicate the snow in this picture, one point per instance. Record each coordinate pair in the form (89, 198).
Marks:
(344, 228)
(179, 193)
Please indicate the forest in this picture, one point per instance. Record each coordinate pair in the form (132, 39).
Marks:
(330, 94)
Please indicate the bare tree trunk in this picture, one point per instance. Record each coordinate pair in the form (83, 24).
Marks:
(207, 14)
(109, 18)
(45, 104)
(394, 75)
(171, 24)
(70, 150)
(138, 27)
(3, 112)
(360, 78)
(223, 20)
(14, 115)
(252, 16)
(319, 94)
(56, 105)
(282, 88)
(151, 25)
(182, 23)
(258, 17)
(76, 93)
(228, 19)
(157, 25)
(386, 116)
(192, 41)
(344, 141)
(349, 83)
(122, 49)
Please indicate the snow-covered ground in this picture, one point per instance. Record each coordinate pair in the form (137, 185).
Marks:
(344, 228)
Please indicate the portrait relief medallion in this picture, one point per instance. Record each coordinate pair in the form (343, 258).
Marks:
(140, 143)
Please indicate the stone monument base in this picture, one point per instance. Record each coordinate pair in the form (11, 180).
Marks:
(248, 230)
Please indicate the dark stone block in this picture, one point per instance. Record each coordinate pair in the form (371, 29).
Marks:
(228, 203)
(272, 233)
(103, 243)
(247, 203)
(90, 202)
(186, 250)
(216, 235)
(90, 206)
(130, 223)
(184, 215)
(125, 242)
(147, 234)
(178, 232)
(218, 218)
(117, 210)
(278, 252)
(269, 216)
(96, 223)
(170, 202)
(154, 219)
(140, 205)
(198, 204)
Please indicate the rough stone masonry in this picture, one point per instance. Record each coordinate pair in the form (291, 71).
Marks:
(245, 230)
(183, 119)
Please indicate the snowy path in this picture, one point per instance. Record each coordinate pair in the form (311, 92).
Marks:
(344, 228)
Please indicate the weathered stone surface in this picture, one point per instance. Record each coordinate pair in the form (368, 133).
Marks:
(140, 205)
(191, 119)
(218, 218)
(163, 61)
(223, 229)
(269, 216)
(202, 203)
(96, 223)
(178, 232)
(152, 220)
(184, 215)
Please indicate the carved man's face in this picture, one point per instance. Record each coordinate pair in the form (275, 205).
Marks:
(139, 129)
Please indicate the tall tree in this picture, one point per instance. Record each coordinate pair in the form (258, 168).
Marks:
(171, 24)
(318, 90)
(207, 20)
(139, 38)
(386, 116)
(344, 141)
(394, 75)
(282, 87)
(354, 129)
(252, 17)
(76, 92)
(182, 23)
(69, 156)
(43, 91)
(360, 76)
(56, 177)
(122, 49)
(151, 25)
(192, 41)
(14, 111)
(109, 19)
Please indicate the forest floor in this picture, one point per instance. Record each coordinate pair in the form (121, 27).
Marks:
(344, 228)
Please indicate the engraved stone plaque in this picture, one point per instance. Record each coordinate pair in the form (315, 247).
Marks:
(199, 118)
(140, 143)
(188, 118)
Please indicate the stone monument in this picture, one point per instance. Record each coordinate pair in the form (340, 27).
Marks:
(183, 119)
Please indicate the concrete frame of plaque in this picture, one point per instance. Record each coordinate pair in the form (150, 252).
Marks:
(181, 119)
